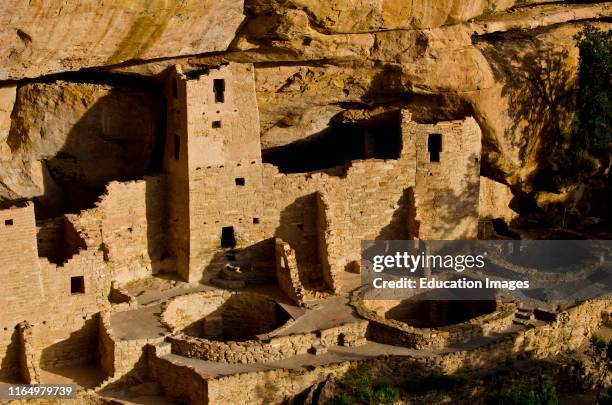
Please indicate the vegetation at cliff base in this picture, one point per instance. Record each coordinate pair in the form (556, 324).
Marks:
(356, 387)
(587, 149)
(544, 393)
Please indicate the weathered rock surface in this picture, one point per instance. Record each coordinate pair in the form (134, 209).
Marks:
(319, 62)
(85, 133)
(51, 36)
(349, 16)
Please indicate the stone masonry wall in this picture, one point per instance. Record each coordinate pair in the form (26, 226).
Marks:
(275, 386)
(119, 358)
(287, 274)
(393, 332)
(172, 377)
(10, 353)
(446, 192)
(222, 117)
(30, 370)
(127, 226)
(373, 202)
(495, 200)
(213, 120)
(22, 285)
(265, 350)
(177, 170)
(39, 292)
(372, 199)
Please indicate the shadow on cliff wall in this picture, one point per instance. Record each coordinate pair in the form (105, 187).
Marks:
(118, 137)
(540, 88)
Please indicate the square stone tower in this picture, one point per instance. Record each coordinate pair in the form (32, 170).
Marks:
(212, 159)
(447, 182)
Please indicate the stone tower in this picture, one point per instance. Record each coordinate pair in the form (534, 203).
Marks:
(212, 160)
(447, 181)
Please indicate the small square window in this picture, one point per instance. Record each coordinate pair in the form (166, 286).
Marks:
(255, 220)
(77, 285)
(8, 222)
(239, 181)
(216, 124)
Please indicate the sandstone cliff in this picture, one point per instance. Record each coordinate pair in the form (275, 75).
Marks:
(511, 64)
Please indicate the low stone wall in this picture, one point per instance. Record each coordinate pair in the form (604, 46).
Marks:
(178, 381)
(186, 384)
(390, 331)
(267, 350)
(29, 361)
(183, 311)
(287, 273)
(120, 357)
(270, 387)
(106, 345)
(250, 351)
(572, 329)
(120, 298)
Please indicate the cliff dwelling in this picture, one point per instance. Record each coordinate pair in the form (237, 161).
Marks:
(187, 225)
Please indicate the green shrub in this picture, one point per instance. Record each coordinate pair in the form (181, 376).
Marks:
(385, 393)
(588, 146)
(545, 393)
(356, 387)
(433, 382)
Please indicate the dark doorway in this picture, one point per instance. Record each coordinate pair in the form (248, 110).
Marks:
(434, 147)
(228, 239)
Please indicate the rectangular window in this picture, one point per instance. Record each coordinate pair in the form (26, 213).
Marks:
(219, 90)
(240, 181)
(216, 124)
(177, 147)
(434, 147)
(77, 285)
(8, 222)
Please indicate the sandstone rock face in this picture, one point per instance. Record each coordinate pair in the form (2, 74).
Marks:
(86, 134)
(349, 16)
(317, 62)
(7, 101)
(52, 36)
